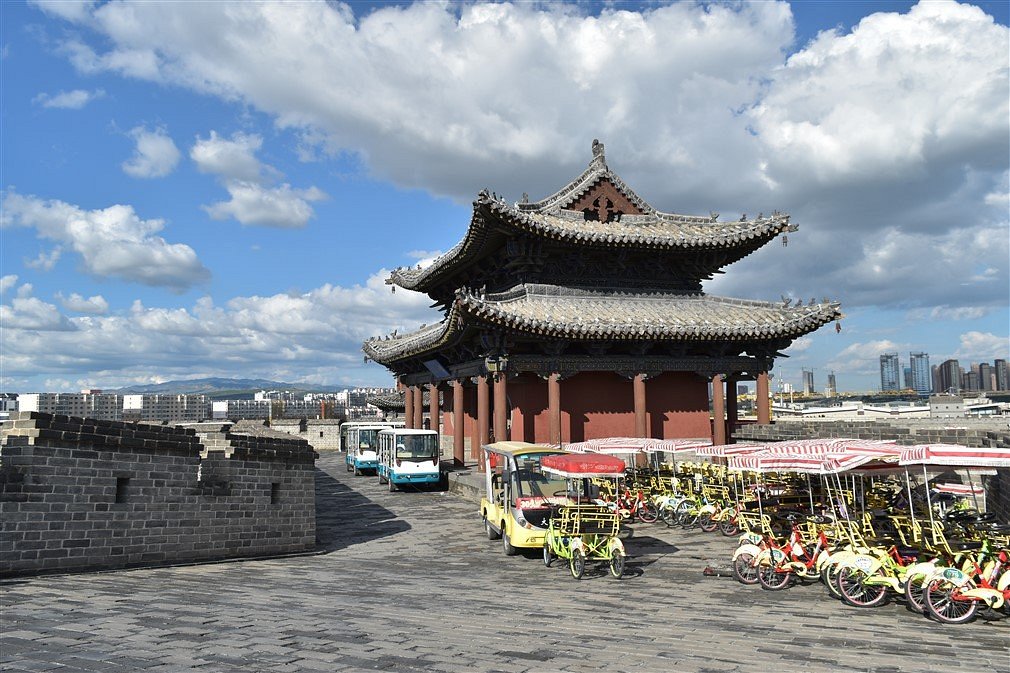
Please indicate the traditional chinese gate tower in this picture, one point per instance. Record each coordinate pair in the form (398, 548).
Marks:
(585, 313)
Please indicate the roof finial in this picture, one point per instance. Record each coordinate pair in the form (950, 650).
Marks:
(599, 159)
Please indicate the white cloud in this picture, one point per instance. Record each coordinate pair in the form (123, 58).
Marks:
(951, 313)
(252, 203)
(75, 302)
(982, 346)
(113, 242)
(7, 282)
(800, 345)
(863, 357)
(280, 336)
(155, 155)
(68, 100)
(73, 10)
(45, 260)
(30, 313)
(254, 200)
(698, 105)
(233, 159)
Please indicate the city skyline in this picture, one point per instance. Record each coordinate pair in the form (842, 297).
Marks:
(163, 219)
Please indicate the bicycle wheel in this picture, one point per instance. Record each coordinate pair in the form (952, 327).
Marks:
(548, 554)
(829, 575)
(577, 564)
(744, 569)
(772, 577)
(729, 527)
(617, 564)
(855, 591)
(942, 602)
(914, 599)
(668, 514)
(706, 523)
(647, 512)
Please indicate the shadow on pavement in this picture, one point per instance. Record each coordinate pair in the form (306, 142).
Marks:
(344, 517)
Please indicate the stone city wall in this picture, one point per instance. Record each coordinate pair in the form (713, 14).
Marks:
(966, 432)
(322, 434)
(80, 494)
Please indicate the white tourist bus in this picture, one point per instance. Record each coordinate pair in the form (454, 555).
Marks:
(346, 426)
(363, 446)
(408, 457)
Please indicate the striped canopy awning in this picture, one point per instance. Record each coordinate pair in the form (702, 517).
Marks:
(959, 489)
(955, 455)
(620, 445)
(724, 450)
(777, 462)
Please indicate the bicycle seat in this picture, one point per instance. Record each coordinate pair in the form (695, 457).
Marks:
(819, 519)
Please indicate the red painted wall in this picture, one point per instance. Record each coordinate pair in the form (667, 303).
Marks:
(601, 404)
(676, 405)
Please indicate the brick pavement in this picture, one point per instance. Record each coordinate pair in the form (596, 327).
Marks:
(407, 582)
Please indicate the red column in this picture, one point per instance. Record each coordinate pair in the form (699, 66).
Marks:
(641, 426)
(732, 414)
(418, 407)
(764, 409)
(718, 411)
(408, 407)
(458, 445)
(483, 422)
(500, 408)
(554, 407)
(433, 407)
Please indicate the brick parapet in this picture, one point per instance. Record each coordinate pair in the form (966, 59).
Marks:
(79, 494)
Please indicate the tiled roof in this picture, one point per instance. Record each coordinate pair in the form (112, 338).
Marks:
(557, 312)
(549, 219)
(395, 401)
(658, 231)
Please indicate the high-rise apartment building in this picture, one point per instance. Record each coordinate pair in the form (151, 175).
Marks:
(889, 372)
(922, 375)
(1002, 375)
(808, 382)
(950, 377)
(832, 388)
(985, 377)
(103, 406)
(969, 382)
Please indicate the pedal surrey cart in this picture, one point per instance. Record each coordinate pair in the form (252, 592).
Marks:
(584, 529)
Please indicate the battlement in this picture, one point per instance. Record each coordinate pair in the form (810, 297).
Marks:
(79, 494)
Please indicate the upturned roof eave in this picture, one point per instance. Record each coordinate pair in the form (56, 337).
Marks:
(752, 235)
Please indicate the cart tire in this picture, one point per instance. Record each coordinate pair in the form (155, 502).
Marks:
(729, 527)
(617, 564)
(744, 570)
(941, 606)
(392, 486)
(772, 579)
(915, 599)
(829, 576)
(648, 513)
(548, 554)
(357, 471)
(382, 480)
(488, 530)
(506, 544)
(348, 466)
(856, 593)
(577, 564)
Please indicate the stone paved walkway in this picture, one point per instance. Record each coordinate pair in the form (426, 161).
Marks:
(408, 582)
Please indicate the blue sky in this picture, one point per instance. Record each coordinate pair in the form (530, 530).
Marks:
(220, 189)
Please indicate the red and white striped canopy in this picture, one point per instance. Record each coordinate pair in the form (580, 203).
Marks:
(619, 445)
(959, 489)
(723, 450)
(955, 455)
(776, 462)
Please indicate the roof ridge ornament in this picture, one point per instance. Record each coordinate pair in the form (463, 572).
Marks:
(599, 158)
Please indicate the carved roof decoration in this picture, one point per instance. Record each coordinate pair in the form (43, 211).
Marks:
(666, 232)
(550, 311)
(396, 401)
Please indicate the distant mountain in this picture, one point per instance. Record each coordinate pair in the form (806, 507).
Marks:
(212, 386)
